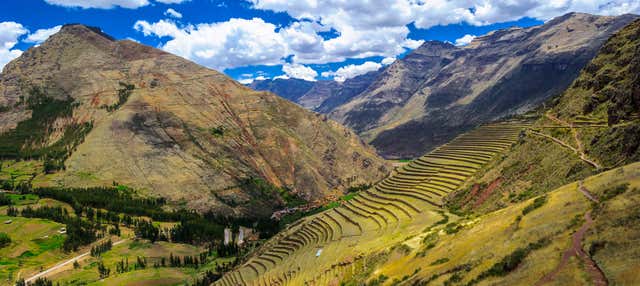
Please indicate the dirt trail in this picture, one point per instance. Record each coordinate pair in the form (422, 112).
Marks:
(60, 265)
(591, 267)
(586, 192)
(576, 138)
(581, 155)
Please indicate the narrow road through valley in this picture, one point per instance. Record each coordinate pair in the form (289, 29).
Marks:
(63, 264)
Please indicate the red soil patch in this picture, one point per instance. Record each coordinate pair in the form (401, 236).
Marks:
(471, 194)
(486, 193)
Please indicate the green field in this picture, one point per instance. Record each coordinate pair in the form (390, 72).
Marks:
(35, 244)
(88, 274)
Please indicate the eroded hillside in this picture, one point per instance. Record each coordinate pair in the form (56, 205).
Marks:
(100, 111)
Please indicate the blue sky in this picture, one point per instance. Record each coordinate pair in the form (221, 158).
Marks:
(309, 39)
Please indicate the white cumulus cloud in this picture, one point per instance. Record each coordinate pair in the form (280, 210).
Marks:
(9, 34)
(387, 61)
(248, 79)
(234, 43)
(172, 1)
(299, 71)
(371, 14)
(362, 28)
(41, 35)
(351, 71)
(465, 40)
(173, 13)
(100, 4)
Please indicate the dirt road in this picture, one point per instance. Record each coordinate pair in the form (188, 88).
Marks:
(60, 265)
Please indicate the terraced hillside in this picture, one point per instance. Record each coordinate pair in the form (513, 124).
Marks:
(380, 217)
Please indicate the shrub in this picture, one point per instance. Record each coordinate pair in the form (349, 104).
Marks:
(538, 202)
(440, 261)
(511, 261)
(612, 192)
(123, 95)
(4, 239)
(4, 200)
(452, 228)
(217, 131)
(430, 240)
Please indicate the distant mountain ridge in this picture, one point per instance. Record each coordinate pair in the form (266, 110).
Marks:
(322, 95)
(98, 111)
(440, 90)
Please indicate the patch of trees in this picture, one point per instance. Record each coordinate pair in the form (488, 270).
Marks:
(79, 233)
(207, 278)
(4, 239)
(123, 95)
(57, 214)
(145, 229)
(121, 203)
(511, 261)
(103, 271)
(41, 281)
(122, 266)
(264, 191)
(4, 200)
(196, 230)
(538, 202)
(11, 211)
(103, 247)
(29, 139)
(114, 199)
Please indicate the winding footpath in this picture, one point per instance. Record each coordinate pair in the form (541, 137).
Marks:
(580, 148)
(591, 267)
(60, 265)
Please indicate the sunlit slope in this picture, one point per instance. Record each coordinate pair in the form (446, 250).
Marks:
(314, 249)
(581, 232)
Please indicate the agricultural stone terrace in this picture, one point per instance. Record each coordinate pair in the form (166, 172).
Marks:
(376, 218)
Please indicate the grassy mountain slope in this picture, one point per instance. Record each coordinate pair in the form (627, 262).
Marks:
(596, 119)
(99, 111)
(547, 207)
(439, 91)
(517, 247)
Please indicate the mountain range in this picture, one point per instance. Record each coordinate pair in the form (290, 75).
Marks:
(440, 90)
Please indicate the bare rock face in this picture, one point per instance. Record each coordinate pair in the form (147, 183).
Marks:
(439, 91)
(172, 128)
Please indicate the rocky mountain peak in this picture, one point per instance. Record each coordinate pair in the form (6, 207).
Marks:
(433, 48)
(85, 31)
